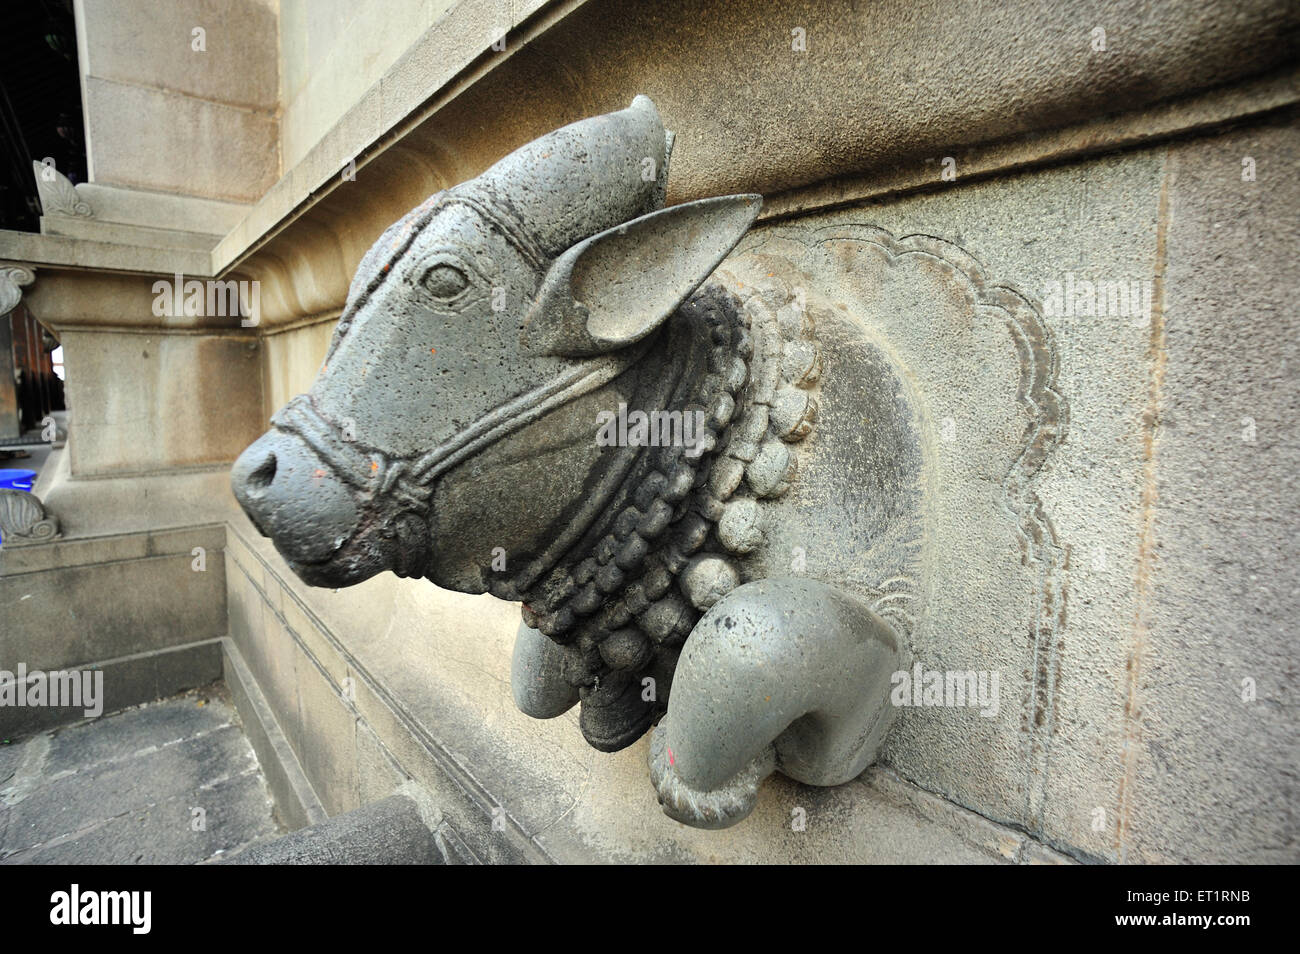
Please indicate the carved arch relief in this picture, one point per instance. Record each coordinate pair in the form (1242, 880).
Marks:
(970, 573)
(925, 305)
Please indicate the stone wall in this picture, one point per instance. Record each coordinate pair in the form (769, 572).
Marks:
(150, 83)
(331, 52)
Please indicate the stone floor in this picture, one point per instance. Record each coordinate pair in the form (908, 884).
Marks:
(170, 782)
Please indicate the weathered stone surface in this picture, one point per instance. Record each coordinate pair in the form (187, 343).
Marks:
(1128, 702)
(157, 210)
(237, 811)
(124, 789)
(1203, 755)
(387, 832)
(295, 801)
(237, 65)
(1052, 757)
(129, 733)
(579, 804)
(754, 110)
(132, 127)
(153, 402)
(326, 740)
(994, 401)
(378, 774)
(69, 804)
(123, 682)
(70, 613)
(10, 754)
(707, 579)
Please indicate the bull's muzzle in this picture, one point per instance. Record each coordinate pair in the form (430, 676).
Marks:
(294, 497)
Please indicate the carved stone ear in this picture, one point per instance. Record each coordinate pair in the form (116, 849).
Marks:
(613, 289)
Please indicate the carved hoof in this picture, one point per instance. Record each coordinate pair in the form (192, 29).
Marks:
(614, 715)
(721, 807)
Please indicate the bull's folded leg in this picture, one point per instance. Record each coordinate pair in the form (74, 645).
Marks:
(789, 675)
(538, 676)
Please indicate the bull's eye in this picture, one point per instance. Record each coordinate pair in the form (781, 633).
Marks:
(444, 281)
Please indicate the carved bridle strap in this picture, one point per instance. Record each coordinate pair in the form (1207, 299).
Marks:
(408, 480)
(364, 467)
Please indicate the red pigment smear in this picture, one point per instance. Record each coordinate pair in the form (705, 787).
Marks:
(671, 760)
(406, 230)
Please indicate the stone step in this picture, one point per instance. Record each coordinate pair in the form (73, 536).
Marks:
(398, 830)
(170, 782)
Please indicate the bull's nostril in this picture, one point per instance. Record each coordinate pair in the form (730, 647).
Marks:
(292, 496)
(261, 478)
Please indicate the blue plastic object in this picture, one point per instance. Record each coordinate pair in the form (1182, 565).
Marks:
(17, 479)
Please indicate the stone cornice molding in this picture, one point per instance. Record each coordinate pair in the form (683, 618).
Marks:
(1083, 103)
(305, 237)
(307, 266)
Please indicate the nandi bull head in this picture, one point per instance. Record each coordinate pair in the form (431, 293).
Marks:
(455, 417)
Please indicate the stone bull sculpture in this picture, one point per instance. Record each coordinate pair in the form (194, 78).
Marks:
(454, 422)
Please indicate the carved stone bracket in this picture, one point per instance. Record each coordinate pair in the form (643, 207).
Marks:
(57, 194)
(24, 519)
(12, 280)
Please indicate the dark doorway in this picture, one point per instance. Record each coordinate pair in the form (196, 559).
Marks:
(40, 105)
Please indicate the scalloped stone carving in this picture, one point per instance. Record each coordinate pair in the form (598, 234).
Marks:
(24, 519)
(12, 280)
(57, 194)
